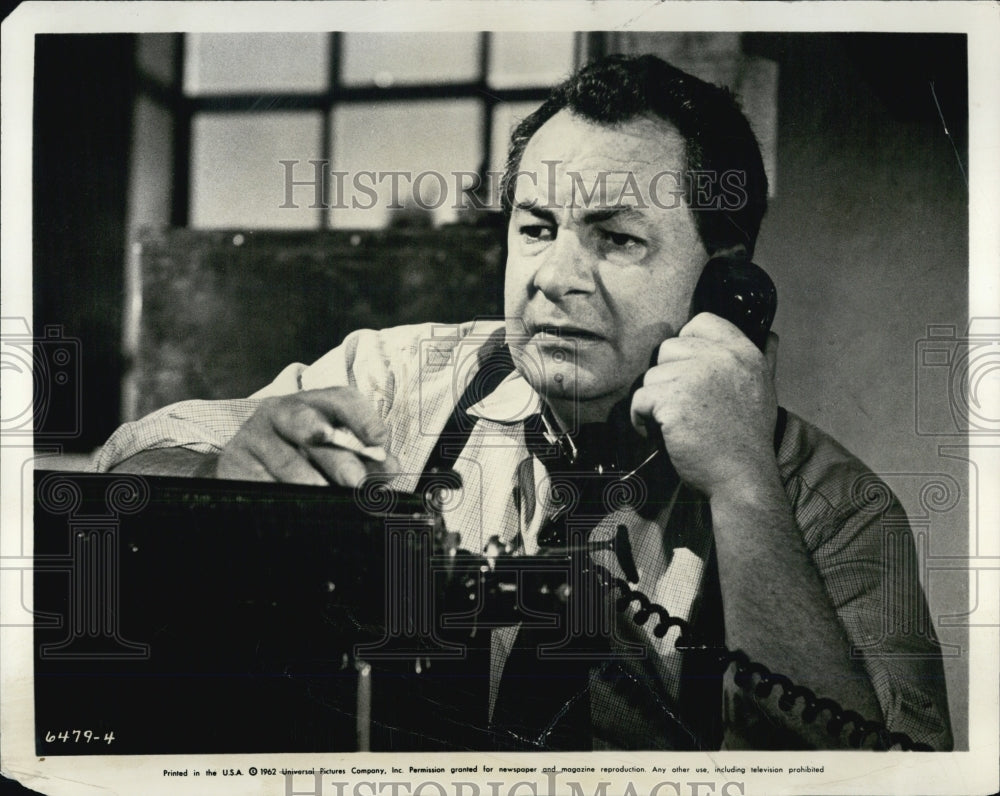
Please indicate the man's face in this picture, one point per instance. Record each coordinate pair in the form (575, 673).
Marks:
(594, 286)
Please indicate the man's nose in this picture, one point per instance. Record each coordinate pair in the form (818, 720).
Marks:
(566, 268)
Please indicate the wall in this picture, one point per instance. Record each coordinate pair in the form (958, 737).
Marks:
(867, 242)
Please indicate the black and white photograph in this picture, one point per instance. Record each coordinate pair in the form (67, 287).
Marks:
(499, 398)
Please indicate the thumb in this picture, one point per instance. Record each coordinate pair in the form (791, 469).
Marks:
(771, 352)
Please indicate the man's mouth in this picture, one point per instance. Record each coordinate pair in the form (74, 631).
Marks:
(574, 333)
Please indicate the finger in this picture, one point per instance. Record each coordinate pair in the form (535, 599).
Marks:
(677, 349)
(708, 326)
(344, 472)
(341, 466)
(283, 461)
(305, 420)
(663, 373)
(297, 422)
(390, 465)
(237, 463)
(340, 437)
(771, 352)
(345, 406)
(641, 411)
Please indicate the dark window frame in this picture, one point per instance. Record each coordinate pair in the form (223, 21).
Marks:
(185, 107)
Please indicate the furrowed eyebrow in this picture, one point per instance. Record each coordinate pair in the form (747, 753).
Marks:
(538, 212)
(625, 211)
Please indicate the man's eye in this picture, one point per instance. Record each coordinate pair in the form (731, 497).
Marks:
(537, 232)
(621, 239)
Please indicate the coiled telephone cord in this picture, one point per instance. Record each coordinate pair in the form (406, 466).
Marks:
(750, 675)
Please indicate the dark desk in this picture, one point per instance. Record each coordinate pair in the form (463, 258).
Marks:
(190, 616)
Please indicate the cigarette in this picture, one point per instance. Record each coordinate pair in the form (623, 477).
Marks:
(342, 438)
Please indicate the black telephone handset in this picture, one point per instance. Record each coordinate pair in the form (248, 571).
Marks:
(739, 291)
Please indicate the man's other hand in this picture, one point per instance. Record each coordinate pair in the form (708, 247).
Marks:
(288, 439)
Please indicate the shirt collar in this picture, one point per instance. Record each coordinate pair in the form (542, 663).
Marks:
(513, 401)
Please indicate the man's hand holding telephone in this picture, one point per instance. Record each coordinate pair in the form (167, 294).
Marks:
(710, 390)
(711, 396)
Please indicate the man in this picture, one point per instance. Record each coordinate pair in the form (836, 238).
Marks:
(756, 532)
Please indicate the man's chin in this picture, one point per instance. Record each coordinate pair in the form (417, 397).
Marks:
(578, 399)
(563, 374)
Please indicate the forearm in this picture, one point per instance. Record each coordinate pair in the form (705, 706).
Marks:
(169, 461)
(776, 608)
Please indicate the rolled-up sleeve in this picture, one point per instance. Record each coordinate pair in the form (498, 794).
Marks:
(200, 426)
(197, 425)
(367, 360)
(860, 540)
(869, 567)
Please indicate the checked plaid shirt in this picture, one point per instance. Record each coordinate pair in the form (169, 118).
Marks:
(413, 375)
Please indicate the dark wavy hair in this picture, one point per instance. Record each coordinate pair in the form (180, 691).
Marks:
(618, 88)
